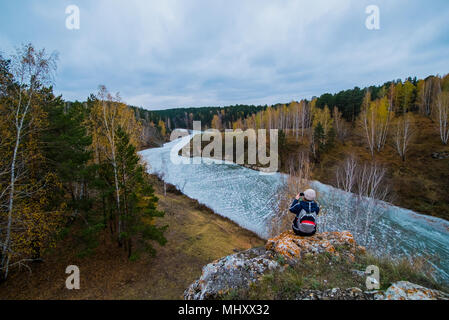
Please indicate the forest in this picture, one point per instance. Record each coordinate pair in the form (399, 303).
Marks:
(62, 164)
(409, 95)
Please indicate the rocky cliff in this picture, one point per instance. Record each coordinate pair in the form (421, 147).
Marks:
(238, 271)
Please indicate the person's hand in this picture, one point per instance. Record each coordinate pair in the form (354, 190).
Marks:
(298, 196)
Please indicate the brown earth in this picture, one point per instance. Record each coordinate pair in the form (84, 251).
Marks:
(196, 236)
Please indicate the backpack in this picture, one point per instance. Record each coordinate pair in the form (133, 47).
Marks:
(305, 222)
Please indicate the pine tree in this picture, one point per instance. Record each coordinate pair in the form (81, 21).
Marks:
(139, 202)
(66, 149)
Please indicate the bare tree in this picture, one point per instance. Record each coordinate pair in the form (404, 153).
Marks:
(442, 114)
(375, 119)
(346, 174)
(340, 125)
(403, 134)
(371, 190)
(367, 119)
(297, 180)
(426, 93)
(365, 190)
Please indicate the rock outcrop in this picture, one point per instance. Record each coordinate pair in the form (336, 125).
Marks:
(336, 294)
(294, 247)
(404, 290)
(239, 270)
(234, 271)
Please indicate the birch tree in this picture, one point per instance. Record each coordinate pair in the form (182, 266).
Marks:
(367, 188)
(425, 88)
(304, 116)
(403, 134)
(375, 119)
(31, 70)
(441, 114)
(367, 119)
(323, 116)
(346, 174)
(340, 125)
(107, 115)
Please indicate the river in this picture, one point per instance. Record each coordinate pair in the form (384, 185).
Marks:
(246, 197)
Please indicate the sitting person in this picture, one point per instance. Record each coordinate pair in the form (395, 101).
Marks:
(306, 211)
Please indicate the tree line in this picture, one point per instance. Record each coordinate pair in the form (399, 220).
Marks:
(66, 163)
(424, 96)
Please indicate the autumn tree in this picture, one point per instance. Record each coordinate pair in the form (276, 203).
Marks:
(323, 117)
(408, 96)
(216, 122)
(403, 134)
(441, 115)
(340, 125)
(107, 114)
(425, 95)
(26, 221)
(162, 128)
(375, 119)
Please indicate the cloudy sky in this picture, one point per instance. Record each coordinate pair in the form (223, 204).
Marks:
(166, 53)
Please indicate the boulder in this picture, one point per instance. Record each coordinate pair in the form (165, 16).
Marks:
(404, 290)
(239, 270)
(294, 247)
(231, 272)
(335, 294)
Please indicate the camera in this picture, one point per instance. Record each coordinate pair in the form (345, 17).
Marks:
(302, 194)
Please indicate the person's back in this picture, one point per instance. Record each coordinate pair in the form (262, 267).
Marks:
(306, 211)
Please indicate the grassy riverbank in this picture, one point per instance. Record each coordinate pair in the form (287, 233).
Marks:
(196, 236)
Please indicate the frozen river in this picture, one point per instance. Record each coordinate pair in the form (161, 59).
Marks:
(245, 196)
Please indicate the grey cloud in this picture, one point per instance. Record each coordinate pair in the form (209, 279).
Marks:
(161, 54)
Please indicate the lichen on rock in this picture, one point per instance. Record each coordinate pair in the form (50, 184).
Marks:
(294, 247)
(238, 271)
(404, 290)
(231, 272)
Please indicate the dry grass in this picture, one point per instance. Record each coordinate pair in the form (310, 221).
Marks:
(196, 236)
(325, 271)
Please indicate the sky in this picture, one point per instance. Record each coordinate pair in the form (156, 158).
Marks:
(191, 53)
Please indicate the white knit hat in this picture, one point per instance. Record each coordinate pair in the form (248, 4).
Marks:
(310, 194)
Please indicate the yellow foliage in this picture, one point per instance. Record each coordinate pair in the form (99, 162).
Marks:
(322, 116)
(105, 117)
(161, 125)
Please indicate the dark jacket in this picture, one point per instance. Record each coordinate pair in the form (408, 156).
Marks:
(302, 227)
(308, 206)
